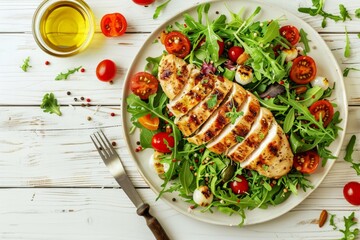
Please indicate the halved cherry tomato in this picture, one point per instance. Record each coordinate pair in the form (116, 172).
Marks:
(303, 70)
(113, 24)
(143, 2)
(240, 185)
(178, 44)
(148, 122)
(322, 109)
(106, 70)
(306, 162)
(143, 84)
(162, 141)
(234, 52)
(351, 193)
(291, 34)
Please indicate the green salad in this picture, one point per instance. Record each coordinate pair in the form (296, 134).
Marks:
(283, 78)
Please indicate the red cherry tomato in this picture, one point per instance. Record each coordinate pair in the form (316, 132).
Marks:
(143, 2)
(113, 25)
(148, 122)
(351, 193)
(162, 142)
(306, 162)
(178, 44)
(106, 70)
(234, 53)
(291, 34)
(143, 84)
(322, 109)
(303, 70)
(240, 185)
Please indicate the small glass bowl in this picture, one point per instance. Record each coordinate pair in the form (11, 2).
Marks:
(63, 28)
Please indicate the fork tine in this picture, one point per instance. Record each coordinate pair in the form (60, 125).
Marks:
(107, 140)
(102, 144)
(99, 148)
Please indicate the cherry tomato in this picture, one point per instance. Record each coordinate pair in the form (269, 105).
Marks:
(162, 141)
(106, 70)
(143, 2)
(240, 185)
(113, 25)
(148, 122)
(322, 109)
(143, 84)
(234, 52)
(178, 44)
(351, 193)
(303, 70)
(306, 162)
(291, 34)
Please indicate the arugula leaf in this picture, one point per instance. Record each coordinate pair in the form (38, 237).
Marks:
(304, 40)
(357, 13)
(347, 70)
(344, 13)
(347, 46)
(153, 65)
(332, 221)
(26, 64)
(289, 120)
(348, 155)
(146, 137)
(348, 233)
(272, 31)
(311, 95)
(159, 9)
(49, 104)
(64, 76)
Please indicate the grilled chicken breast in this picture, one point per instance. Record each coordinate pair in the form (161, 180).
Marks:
(193, 97)
(273, 158)
(173, 74)
(214, 111)
(190, 122)
(221, 117)
(239, 129)
(258, 132)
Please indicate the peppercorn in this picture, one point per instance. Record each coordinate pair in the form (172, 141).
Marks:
(75, 99)
(112, 114)
(82, 70)
(47, 63)
(89, 118)
(88, 100)
(68, 93)
(82, 98)
(113, 143)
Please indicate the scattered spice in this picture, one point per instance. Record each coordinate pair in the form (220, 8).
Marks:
(75, 99)
(138, 143)
(323, 218)
(173, 199)
(68, 93)
(82, 98)
(82, 70)
(88, 100)
(112, 114)
(89, 118)
(113, 143)
(138, 149)
(47, 63)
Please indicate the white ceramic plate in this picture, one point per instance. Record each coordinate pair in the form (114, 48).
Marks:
(327, 66)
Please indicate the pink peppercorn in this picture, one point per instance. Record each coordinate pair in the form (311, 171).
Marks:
(112, 114)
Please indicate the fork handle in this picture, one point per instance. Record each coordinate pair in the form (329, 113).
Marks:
(152, 222)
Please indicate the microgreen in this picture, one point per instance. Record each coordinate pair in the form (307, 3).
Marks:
(64, 76)
(26, 64)
(49, 104)
(212, 101)
(347, 70)
(234, 114)
(159, 9)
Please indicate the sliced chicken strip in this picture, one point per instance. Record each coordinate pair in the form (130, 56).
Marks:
(173, 74)
(193, 120)
(252, 141)
(230, 134)
(220, 118)
(273, 158)
(193, 97)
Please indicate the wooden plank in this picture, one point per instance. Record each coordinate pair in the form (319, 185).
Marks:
(27, 88)
(43, 150)
(109, 214)
(17, 17)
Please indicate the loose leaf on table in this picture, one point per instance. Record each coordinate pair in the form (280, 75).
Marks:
(357, 13)
(26, 64)
(347, 70)
(348, 154)
(64, 76)
(50, 104)
(347, 45)
(348, 233)
(344, 13)
(159, 9)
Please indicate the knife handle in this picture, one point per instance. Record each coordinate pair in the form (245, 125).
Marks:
(152, 222)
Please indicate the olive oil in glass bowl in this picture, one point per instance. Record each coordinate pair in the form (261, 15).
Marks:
(63, 28)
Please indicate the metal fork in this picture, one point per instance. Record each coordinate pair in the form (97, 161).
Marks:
(114, 164)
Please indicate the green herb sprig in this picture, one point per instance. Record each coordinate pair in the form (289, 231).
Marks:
(49, 104)
(348, 155)
(64, 76)
(347, 70)
(159, 9)
(26, 64)
(348, 233)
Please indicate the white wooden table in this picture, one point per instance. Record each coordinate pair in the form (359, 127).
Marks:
(53, 184)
